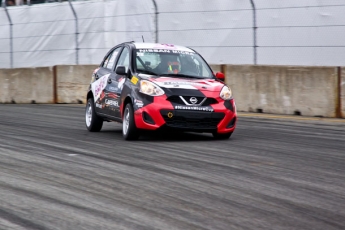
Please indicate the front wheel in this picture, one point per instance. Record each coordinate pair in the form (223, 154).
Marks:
(129, 130)
(93, 122)
(221, 136)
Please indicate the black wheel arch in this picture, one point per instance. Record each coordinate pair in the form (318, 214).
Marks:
(89, 95)
(127, 100)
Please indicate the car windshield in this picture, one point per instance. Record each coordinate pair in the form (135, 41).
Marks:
(171, 63)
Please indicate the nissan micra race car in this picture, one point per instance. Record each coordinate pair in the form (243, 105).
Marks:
(149, 86)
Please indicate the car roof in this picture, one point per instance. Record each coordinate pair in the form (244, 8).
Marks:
(141, 45)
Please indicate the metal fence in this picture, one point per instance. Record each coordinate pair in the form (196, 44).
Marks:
(266, 32)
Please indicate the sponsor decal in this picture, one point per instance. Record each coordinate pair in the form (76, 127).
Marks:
(194, 108)
(112, 95)
(111, 103)
(181, 83)
(121, 82)
(98, 86)
(98, 105)
(102, 96)
(134, 80)
(141, 51)
(112, 88)
(154, 50)
(164, 46)
(170, 45)
(167, 82)
(182, 52)
(176, 84)
(138, 103)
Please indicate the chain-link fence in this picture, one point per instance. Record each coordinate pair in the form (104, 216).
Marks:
(265, 32)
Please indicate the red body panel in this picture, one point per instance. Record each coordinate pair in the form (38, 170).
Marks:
(229, 115)
(160, 103)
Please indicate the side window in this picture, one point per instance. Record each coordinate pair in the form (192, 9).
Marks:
(110, 60)
(149, 58)
(106, 61)
(124, 58)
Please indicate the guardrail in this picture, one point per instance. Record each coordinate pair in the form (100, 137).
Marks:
(306, 91)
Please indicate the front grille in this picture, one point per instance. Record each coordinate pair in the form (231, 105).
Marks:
(192, 120)
(177, 100)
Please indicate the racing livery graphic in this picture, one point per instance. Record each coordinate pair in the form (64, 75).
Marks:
(148, 86)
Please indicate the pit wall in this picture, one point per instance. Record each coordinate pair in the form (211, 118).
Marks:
(306, 91)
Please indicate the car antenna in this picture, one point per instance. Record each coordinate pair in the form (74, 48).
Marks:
(143, 38)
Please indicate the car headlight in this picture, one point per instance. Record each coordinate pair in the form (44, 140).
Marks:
(150, 88)
(225, 93)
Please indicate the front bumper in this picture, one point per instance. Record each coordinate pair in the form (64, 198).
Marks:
(162, 114)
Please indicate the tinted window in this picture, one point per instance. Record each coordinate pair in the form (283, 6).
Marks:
(124, 58)
(171, 62)
(110, 60)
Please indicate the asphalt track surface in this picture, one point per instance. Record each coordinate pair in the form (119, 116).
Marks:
(274, 173)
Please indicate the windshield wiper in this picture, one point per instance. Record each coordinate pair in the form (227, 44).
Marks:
(146, 71)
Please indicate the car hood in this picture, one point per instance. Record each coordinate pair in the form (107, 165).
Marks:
(183, 83)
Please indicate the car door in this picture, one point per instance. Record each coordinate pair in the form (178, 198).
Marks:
(117, 82)
(102, 77)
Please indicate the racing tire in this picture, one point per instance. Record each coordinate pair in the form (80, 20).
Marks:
(93, 122)
(221, 136)
(129, 129)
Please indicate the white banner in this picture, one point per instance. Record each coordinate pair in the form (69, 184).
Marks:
(294, 32)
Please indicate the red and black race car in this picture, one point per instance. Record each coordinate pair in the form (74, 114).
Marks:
(151, 86)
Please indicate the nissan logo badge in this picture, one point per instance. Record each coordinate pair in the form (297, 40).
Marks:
(193, 100)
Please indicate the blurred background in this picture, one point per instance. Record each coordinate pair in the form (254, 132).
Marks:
(264, 32)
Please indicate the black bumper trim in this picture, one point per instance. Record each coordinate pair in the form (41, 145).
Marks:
(192, 120)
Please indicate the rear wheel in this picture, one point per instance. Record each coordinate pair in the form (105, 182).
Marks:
(93, 122)
(129, 129)
(221, 136)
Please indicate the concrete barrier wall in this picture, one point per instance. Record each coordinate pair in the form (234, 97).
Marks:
(309, 91)
(342, 92)
(72, 82)
(216, 68)
(26, 85)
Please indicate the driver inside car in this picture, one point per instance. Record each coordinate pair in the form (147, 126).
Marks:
(168, 64)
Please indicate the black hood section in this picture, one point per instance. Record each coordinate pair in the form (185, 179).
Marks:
(184, 97)
(183, 92)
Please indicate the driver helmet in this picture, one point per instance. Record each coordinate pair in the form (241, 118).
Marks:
(173, 63)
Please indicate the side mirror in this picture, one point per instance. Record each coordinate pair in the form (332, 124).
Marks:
(121, 70)
(220, 76)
